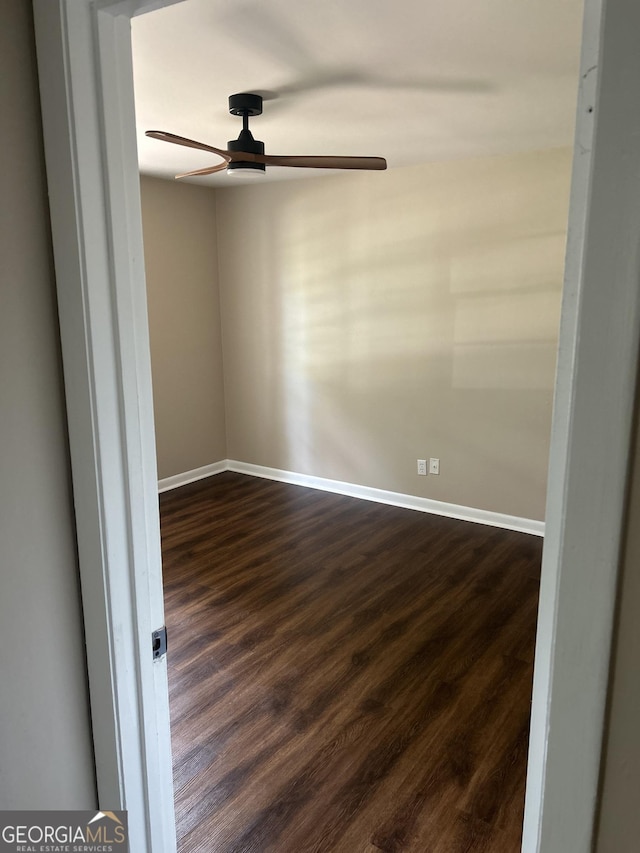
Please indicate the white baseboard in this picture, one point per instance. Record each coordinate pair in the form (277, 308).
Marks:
(191, 476)
(464, 513)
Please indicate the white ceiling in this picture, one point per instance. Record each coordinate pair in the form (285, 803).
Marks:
(409, 80)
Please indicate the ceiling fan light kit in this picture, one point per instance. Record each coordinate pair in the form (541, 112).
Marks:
(245, 155)
(246, 170)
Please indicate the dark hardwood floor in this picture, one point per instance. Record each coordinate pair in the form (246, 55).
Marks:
(344, 676)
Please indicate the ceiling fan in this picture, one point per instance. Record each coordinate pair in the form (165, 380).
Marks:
(245, 155)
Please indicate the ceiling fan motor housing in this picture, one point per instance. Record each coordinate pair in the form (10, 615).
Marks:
(245, 103)
(246, 142)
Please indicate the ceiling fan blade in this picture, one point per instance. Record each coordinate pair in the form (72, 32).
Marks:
(209, 171)
(310, 162)
(322, 162)
(163, 136)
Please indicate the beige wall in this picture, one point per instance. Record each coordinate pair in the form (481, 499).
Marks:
(373, 319)
(46, 757)
(179, 223)
(619, 829)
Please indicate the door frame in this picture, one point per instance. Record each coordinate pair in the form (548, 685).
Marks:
(86, 89)
(85, 69)
(593, 417)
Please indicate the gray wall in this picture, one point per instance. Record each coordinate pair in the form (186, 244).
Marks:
(180, 251)
(46, 757)
(373, 319)
(346, 326)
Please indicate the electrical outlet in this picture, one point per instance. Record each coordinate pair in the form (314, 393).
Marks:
(434, 466)
(422, 467)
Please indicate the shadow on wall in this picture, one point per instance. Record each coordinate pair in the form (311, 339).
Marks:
(381, 318)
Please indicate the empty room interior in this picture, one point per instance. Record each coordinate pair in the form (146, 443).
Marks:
(353, 378)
